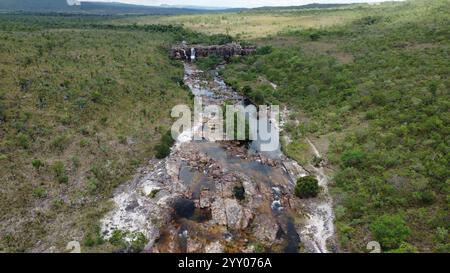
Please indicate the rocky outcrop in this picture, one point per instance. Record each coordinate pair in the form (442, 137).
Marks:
(189, 52)
(214, 247)
(216, 196)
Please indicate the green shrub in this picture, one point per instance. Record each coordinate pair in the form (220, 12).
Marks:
(162, 151)
(75, 162)
(369, 20)
(404, 248)
(84, 143)
(314, 36)
(258, 98)
(153, 193)
(353, 158)
(93, 237)
(23, 140)
(426, 197)
(264, 50)
(118, 238)
(122, 139)
(92, 184)
(163, 148)
(96, 97)
(60, 172)
(129, 241)
(37, 164)
(247, 90)
(138, 242)
(59, 143)
(209, 62)
(390, 231)
(441, 235)
(317, 160)
(307, 187)
(39, 192)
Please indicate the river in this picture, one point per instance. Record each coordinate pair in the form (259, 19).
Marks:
(222, 196)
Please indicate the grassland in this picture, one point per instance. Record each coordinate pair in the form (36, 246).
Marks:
(83, 103)
(374, 94)
(80, 110)
(247, 25)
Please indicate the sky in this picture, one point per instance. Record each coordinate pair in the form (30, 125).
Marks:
(234, 3)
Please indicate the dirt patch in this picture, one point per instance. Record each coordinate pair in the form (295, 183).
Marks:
(343, 57)
(319, 47)
(328, 48)
(421, 46)
(280, 41)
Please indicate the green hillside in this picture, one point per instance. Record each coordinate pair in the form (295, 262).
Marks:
(85, 99)
(374, 93)
(80, 110)
(37, 6)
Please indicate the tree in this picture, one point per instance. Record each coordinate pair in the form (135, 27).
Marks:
(258, 98)
(307, 187)
(353, 158)
(390, 231)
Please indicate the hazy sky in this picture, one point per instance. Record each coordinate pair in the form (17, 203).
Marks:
(235, 3)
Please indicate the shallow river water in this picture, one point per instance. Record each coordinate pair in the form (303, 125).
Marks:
(223, 196)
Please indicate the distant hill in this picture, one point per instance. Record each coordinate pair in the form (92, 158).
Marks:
(99, 7)
(37, 6)
(120, 8)
(308, 6)
(202, 7)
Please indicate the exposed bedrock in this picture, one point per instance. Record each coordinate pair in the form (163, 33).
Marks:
(189, 52)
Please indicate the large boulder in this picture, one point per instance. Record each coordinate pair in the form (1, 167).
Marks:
(228, 212)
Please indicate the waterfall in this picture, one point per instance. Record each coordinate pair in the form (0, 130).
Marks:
(192, 54)
(185, 55)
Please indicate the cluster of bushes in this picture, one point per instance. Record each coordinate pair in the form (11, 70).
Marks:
(33, 22)
(131, 242)
(390, 231)
(390, 104)
(255, 96)
(82, 108)
(209, 62)
(165, 144)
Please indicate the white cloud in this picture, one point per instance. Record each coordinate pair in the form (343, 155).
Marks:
(73, 2)
(235, 3)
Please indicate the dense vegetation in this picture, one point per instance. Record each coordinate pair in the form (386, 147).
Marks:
(81, 106)
(376, 92)
(82, 100)
(307, 187)
(251, 23)
(53, 21)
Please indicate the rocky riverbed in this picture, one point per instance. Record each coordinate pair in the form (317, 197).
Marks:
(209, 196)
